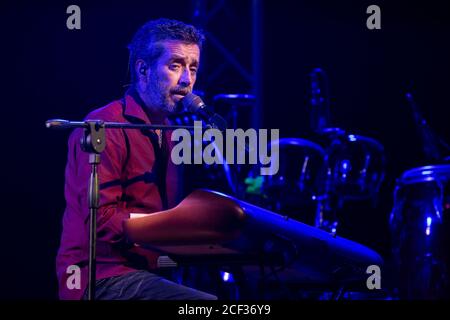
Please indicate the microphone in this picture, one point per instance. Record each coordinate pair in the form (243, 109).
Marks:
(195, 104)
(63, 124)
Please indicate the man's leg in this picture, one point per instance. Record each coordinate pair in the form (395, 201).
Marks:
(143, 285)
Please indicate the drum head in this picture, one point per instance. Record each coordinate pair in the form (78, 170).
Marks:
(426, 173)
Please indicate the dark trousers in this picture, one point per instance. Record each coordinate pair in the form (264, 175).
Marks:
(144, 285)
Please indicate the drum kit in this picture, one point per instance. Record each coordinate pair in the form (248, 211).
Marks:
(316, 177)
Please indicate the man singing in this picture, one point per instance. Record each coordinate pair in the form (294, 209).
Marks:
(135, 172)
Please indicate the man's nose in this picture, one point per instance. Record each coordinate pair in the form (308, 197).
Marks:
(185, 79)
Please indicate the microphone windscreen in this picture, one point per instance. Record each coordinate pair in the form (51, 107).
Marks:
(192, 102)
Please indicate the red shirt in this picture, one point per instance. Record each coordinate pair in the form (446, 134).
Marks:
(131, 179)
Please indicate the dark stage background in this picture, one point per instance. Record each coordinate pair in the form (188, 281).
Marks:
(49, 71)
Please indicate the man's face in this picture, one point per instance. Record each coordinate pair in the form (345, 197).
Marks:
(172, 76)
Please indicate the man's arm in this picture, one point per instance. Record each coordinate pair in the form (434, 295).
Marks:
(112, 210)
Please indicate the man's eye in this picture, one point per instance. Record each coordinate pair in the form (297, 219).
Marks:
(194, 70)
(175, 66)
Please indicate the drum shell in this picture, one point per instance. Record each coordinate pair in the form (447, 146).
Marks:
(419, 224)
(294, 188)
(355, 167)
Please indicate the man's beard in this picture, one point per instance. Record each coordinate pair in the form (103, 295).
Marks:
(162, 100)
(161, 97)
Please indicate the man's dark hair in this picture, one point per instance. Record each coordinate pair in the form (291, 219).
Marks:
(144, 44)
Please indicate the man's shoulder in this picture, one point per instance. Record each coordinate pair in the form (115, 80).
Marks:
(113, 111)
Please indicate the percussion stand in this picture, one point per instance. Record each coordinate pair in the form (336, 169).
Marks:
(235, 102)
(326, 215)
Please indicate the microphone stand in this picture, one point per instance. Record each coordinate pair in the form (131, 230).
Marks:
(94, 142)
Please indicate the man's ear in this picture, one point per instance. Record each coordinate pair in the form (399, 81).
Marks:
(141, 68)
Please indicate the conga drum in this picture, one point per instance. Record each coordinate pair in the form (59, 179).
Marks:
(419, 225)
